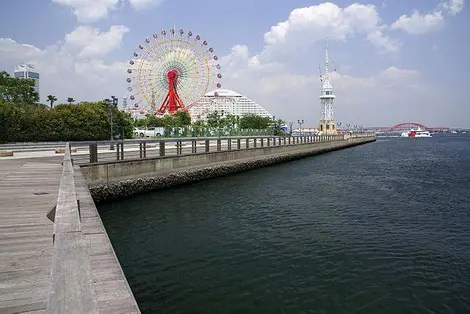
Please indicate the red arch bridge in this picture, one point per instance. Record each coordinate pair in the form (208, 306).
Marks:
(405, 127)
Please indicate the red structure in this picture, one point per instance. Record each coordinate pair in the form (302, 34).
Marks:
(406, 127)
(172, 102)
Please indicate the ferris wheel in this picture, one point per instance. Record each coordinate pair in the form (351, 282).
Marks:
(169, 72)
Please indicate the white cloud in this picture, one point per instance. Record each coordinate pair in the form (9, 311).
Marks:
(90, 11)
(310, 24)
(453, 7)
(86, 42)
(63, 68)
(143, 4)
(418, 23)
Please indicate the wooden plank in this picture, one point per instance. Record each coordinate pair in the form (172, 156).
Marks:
(27, 191)
(71, 289)
(112, 290)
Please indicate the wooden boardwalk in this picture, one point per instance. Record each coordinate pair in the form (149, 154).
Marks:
(28, 191)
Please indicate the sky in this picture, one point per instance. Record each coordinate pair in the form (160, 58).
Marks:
(393, 61)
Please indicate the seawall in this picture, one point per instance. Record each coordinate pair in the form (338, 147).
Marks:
(112, 181)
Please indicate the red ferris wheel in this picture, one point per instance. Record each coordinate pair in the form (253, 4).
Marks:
(171, 71)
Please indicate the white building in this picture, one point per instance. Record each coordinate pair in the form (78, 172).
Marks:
(226, 101)
(23, 71)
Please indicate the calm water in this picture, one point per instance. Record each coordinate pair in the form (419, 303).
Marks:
(380, 228)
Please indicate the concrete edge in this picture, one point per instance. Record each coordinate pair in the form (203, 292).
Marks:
(83, 193)
(119, 189)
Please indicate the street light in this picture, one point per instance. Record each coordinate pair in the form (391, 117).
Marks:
(111, 105)
(300, 122)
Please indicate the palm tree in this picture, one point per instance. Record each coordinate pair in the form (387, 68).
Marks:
(70, 100)
(51, 99)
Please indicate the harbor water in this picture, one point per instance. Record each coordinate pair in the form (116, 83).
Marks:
(379, 228)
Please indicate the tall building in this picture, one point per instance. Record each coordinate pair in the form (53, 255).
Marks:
(226, 101)
(326, 124)
(23, 71)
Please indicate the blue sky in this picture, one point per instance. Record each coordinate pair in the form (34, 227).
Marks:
(396, 61)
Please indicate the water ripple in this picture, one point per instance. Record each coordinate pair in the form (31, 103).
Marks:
(380, 228)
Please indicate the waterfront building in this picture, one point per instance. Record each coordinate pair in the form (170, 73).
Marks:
(24, 71)
(226, 101)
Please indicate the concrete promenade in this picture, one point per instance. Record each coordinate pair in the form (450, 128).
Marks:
(28, 191)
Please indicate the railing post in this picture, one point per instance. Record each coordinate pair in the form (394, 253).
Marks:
(262, 142)
(93, 151)
(255, 142)
(229, 144)
(207, 146)
(247, 143)
(120, 151)
(178, 147)
(268, 142)
(219, 145)
(239, 144)
(161, 148)
(193, 147)
(274, 141)
(143, 150)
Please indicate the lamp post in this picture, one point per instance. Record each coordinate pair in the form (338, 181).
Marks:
(111, 104)
(338, 124)
(300, 122)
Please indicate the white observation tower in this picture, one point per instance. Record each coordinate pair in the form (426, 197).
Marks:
(327, 98)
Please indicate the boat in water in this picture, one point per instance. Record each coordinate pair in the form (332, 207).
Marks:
(416, 133)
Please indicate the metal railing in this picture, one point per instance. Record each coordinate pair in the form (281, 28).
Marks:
(71, 289)
(98, 151)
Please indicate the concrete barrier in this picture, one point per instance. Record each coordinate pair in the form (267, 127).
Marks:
(109, 181)
(108, 171)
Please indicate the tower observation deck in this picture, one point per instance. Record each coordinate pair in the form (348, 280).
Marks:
(326, 124)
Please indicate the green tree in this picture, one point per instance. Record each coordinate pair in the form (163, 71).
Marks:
(51, 99)
(214, 119)
(182, 118)
(70, 100)
(18, 91)
(252, 121)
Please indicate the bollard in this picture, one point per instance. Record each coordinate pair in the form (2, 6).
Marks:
(143, 150)
(93, 149)
(120, 151)
(179, 148)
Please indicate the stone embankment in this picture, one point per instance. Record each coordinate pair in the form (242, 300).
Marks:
(127, 186)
